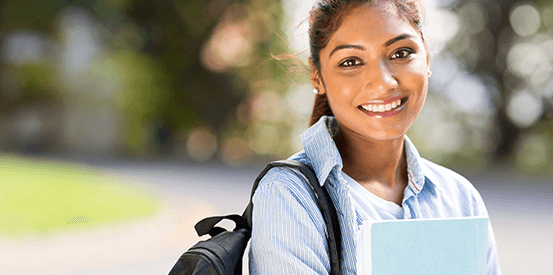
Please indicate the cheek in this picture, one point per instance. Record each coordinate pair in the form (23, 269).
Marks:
(339, 91)
(421, 89)
(341, 97)
(333, 103)
(423, 97)
(416, 78)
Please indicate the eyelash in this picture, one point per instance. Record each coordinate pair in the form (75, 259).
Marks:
(407, 51)
(357, 62)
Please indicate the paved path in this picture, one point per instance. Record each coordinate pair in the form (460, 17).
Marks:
(521, 210)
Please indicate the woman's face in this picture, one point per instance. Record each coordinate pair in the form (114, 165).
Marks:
(374, 71)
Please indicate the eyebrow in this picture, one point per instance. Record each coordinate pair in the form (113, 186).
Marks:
(359, 47)
(347, 46)
(396, 39)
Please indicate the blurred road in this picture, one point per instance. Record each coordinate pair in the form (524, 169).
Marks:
(520, 207)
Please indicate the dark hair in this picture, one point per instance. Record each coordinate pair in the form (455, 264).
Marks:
(325, 18)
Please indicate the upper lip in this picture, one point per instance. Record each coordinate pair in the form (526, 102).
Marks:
(384, 101)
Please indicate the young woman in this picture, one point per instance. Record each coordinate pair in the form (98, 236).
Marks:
(370, 70)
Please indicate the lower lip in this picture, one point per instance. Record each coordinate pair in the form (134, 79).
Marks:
(386, 114)
(390, 113)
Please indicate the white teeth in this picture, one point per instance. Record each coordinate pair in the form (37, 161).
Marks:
(380, 108)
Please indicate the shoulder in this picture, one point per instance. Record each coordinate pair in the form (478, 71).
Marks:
(284, 200)
(454, 186)
(282, 207)
(287, 179)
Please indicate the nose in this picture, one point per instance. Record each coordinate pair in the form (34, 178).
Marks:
(381, 78)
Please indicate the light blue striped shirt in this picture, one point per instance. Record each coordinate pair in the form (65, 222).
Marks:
(289, 234)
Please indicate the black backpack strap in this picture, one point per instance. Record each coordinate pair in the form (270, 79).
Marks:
(207, 225)
(323, 201)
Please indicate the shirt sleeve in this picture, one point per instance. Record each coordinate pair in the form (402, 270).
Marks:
(481, 210)
(288, 235)
(493, 261)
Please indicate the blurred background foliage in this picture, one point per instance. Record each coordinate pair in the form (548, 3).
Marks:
(197, 80)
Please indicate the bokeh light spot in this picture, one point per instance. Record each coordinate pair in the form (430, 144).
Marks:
(24, 47)
(298, 98)
(525, 20)
(443, 69)
(266, 107)
(444, 25)
(475, 18)
(523, 58)
(263, 138)
(201, 144)
(231, 44)
(235, 151)
(80, 37)
(524, 109)
(469, 94)
(533, 152)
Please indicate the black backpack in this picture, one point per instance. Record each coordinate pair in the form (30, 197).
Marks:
(222, 253)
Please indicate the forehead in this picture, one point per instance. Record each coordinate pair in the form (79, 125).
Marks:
(371, 24)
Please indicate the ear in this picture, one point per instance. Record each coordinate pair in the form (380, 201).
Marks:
(428, 59)
(427, 56)
(315, 77)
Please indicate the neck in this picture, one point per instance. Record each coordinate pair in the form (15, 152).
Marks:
(378, 165)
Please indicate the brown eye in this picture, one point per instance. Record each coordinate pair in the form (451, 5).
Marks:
(403, 53)
(350, 63)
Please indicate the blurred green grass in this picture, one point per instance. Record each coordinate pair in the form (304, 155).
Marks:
(40, 197)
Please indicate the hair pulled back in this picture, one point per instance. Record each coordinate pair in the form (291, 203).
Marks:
(326, 17)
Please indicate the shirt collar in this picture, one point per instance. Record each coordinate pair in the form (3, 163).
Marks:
(319, 146)
(417, 180)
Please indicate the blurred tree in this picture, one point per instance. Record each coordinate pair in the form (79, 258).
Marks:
(486, 45)
(153, 51)
(175, 33)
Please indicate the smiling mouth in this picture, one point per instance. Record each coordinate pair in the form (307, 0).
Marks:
(384, 110)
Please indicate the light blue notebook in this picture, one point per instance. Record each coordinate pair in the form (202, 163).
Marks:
(454, 246)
